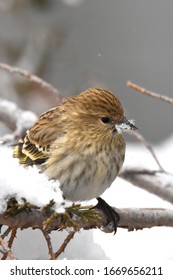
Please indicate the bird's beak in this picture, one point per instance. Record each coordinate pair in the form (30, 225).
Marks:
(125, 124)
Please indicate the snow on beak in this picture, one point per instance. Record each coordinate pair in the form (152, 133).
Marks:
(125, 125)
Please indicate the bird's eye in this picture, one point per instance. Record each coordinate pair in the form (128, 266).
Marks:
(105, 120)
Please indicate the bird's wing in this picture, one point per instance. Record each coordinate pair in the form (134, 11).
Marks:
(34, 148)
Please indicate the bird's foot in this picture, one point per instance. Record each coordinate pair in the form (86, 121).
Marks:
(111, 214)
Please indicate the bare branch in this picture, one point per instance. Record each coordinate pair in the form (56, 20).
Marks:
(150, 93)
(156, 182)
(139, 218)
(6, 251)
(49, 244)
(32, 78)
(10, 243)
(11, 240)
(65, 243)
(141, 138)
(6, 233)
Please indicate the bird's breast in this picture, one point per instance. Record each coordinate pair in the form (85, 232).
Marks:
(87, 175)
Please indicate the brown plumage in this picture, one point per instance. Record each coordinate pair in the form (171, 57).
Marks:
(79, 143)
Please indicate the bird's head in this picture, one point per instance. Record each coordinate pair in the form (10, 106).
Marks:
(99, 113)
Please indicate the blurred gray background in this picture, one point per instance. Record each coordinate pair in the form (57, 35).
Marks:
(76, 44)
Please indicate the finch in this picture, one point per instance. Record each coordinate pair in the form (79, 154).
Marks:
(79, 143)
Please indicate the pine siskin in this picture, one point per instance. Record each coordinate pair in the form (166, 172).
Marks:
(79, 142)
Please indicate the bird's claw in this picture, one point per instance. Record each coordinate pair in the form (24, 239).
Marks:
(111, 214)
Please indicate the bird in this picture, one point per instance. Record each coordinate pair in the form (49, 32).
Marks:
(80, 143)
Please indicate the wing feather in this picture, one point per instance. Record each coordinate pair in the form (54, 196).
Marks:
(35, 147)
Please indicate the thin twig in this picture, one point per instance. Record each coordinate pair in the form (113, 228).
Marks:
(10, 242)
(49, 245)
(137, 134)
(65, 243)
(148, 146)
(32, 78)
(6, 232)
(6, 250)
(150, 93)
(11, 239)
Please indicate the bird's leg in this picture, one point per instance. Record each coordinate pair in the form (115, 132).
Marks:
(110, 213)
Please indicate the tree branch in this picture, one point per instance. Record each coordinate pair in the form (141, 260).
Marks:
(64, 244)
(130, 218)
(49, 244)
(156, 182)
(32, 78)
(150, 93)
(6, 250)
